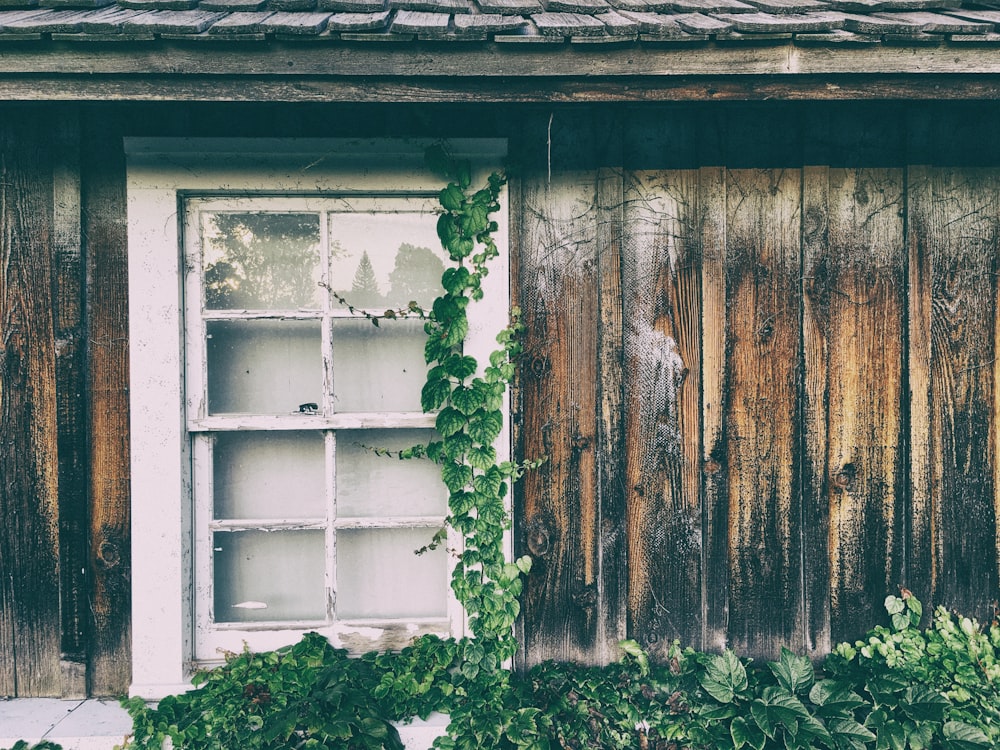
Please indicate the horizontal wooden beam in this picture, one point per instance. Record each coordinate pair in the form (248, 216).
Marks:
(355, 89)
(489, 66)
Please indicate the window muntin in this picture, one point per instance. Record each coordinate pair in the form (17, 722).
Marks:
(298, 524)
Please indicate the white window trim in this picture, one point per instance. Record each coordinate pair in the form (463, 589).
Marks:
(159, 171)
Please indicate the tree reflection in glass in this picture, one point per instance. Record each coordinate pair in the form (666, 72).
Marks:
(263, 261)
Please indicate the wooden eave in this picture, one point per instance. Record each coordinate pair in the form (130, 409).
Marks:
(493, 72)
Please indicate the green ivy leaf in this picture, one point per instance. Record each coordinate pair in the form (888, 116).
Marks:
(483, 457)
(466, 400)
(746, 734)
(434, 394)
(486, 427)
(457, 330)
(488, 483)
(923, 704)
(794, 673)
(961, 736)
(724, 677)
(449, 421)
(457, 445)
(849, 730)
(460, 367)
(891, 736)
(452, 197)
(456, 476)
(456, 279)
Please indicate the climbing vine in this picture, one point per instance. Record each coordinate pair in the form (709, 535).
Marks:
(470, 415)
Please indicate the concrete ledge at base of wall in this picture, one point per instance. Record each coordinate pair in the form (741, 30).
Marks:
(102, 724)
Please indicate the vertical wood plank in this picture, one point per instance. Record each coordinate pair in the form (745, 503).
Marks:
(712, 208)
(613, 541)
(661, 282)
(560, 296)
(71, 386)
(853, 335)
(955, 223)
(103, 168)
(29, 535)
(921, 571)
(762, 414)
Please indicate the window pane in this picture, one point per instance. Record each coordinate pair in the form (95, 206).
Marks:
(269, 475)
(384, 259)
(371, 485)
(263, 261)
(379, 576)
(378, 369)
(262, 576)
(263, 366)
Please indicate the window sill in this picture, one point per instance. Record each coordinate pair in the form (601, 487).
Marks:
(103, 724)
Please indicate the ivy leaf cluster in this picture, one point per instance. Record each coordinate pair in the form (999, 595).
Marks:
(468, 400)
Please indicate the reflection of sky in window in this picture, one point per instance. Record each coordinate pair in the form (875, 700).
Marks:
(380, 234)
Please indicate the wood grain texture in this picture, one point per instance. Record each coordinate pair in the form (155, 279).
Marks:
(762, 412)
(29, 499)
(854, 488)
(613, 551)
(103, 201)
(559, 401)
(641, 65)
(661, 283)
(291, 85)
(712, 210)
(71, 388)
(956, 229)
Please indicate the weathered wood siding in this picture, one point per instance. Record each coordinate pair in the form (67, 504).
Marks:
(761, 359)
(65, 591)
(807, 379)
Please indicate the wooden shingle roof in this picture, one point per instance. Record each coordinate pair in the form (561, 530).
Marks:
(498, 50)
(513, 22)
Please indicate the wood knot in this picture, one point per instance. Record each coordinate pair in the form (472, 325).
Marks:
(712, 466)
(108, 554)
(845, 477)
(538, 541)
(539, 366)
(586, 597)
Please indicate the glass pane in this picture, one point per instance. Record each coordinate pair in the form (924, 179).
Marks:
(379, 576)
(384, 259)
(371, 485)
(263, 261)
(263, 366)
(378, 369)
(262, 576)
(269, 475)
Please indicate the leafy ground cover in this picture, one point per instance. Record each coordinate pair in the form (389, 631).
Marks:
(902, 687)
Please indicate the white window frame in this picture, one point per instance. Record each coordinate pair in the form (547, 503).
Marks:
(161, 172)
